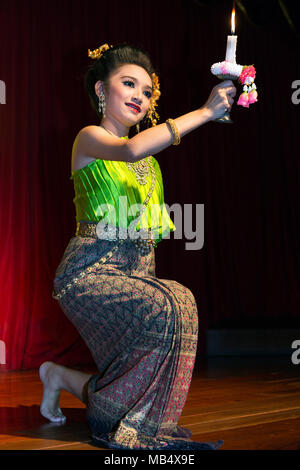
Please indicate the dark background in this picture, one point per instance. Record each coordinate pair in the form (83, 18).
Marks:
(246, 174)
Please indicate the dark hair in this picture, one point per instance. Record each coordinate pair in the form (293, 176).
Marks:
(110, 60)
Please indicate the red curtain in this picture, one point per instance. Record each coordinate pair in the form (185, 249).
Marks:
(246, 174)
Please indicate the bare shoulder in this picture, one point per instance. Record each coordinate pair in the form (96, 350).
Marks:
(79, 158)
(85, 146)
(88, 133)
(91, 130)
(93, 142)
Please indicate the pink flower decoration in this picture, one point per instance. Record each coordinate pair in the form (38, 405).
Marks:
(248, 71)
(252, 96)
(244, 100)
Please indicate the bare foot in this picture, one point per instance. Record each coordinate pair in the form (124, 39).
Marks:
(50, 376)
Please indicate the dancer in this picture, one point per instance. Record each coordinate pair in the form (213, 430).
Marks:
(142, 331)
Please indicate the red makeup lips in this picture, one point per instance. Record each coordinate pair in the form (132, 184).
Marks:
(134, 106)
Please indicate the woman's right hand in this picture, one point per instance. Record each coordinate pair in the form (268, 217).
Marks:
(220, 99)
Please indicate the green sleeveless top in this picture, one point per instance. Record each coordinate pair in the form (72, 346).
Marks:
(110, 191)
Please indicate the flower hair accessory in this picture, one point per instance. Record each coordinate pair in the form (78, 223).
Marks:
(245, 75)
(152, 114)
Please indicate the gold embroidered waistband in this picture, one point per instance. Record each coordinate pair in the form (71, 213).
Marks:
(105, 231)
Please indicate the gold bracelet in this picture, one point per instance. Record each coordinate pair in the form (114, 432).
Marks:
(174, 130)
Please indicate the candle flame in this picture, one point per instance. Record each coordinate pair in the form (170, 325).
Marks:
(233, 21)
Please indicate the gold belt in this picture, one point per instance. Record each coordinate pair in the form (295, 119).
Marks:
(143, 239)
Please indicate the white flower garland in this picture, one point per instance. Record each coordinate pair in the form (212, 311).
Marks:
(226, 68)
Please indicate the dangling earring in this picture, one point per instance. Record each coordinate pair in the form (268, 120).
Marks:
(102, 105)
(137, 127)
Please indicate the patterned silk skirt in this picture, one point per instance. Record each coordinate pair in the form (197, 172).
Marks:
(142, 332)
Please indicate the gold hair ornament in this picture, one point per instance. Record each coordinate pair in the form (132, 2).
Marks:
(152, 114)
(97, 53)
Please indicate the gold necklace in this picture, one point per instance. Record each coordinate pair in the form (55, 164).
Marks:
(140, 168)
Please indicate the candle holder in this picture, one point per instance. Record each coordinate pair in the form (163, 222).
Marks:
(226, 71)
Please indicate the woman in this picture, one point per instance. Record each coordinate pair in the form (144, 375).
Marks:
(141, 330)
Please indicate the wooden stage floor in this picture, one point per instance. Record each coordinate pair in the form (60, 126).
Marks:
(252, 403)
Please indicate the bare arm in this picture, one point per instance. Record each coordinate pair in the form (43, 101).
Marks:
(96, 142)
(153, 140)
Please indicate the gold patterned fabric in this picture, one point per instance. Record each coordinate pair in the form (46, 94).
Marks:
(142, 332)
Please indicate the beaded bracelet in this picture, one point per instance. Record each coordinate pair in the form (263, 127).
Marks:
(174, 131)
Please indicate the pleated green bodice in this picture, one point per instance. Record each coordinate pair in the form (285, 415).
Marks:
(110, 191)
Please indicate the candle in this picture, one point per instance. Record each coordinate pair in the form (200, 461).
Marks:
(231, 41)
